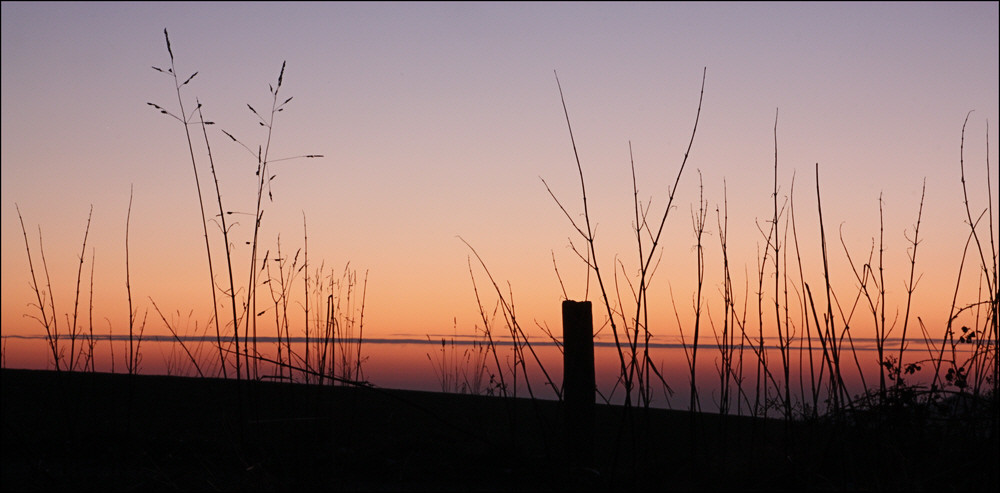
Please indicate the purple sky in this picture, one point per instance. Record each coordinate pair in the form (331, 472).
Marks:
(437, 120)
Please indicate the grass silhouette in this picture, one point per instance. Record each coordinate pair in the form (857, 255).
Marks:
(319, 424)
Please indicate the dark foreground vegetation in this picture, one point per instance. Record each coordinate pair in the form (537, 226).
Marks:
(97, 431)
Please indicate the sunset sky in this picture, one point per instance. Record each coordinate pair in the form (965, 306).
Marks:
(439, 120)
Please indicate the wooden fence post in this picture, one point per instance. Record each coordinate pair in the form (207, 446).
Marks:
(579, 385)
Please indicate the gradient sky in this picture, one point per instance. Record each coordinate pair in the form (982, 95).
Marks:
(437, 120)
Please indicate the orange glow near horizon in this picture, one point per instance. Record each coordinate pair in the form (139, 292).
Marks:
(467, 368)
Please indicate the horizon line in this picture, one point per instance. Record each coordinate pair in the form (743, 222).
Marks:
(861, 343)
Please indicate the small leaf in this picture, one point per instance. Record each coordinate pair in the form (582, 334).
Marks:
(282, 74)
(158, 69)
(189, 78)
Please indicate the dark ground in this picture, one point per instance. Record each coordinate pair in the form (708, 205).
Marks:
(74, 431)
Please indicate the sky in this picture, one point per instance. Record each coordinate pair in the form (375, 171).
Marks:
(437, 123)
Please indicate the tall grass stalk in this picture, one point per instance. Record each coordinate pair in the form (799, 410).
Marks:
(73, 328)
(783, 340)
(725, 343)
(91, 341)
(698, 224)
(305, 298)
(229, 259)
(991, 319)
(134, 355)
(47, 319)
(910, 287)
(814, 384)
(829, 326)
(185, 120)
(772, 250)
(876, 305)
(262, 181)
